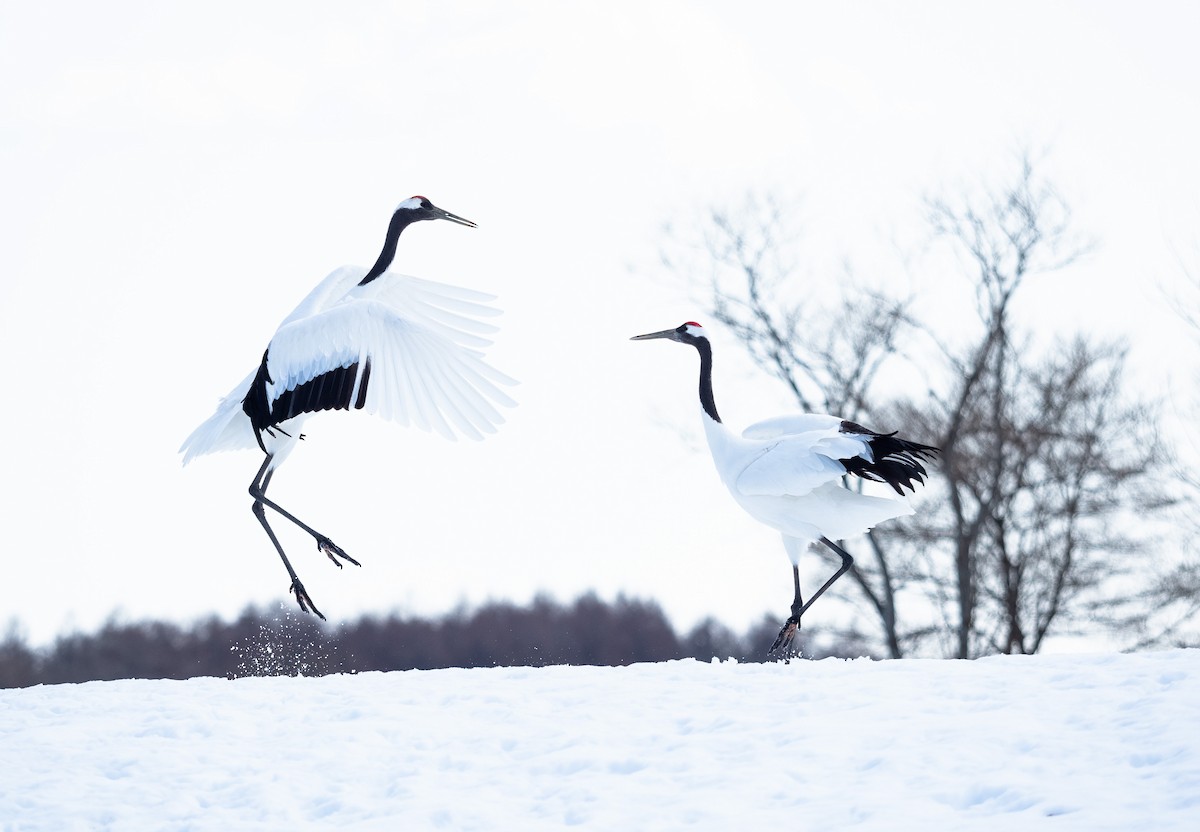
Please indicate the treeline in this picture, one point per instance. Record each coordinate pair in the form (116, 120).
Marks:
(588, 631)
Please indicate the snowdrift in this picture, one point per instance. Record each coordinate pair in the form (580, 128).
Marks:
(1087, 742)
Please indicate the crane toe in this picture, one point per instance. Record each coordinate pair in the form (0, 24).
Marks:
(305, 602)
(332, 551)
(782, 648)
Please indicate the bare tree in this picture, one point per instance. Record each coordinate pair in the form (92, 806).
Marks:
(1002, 237)
(1046, 481)
(1169, 608)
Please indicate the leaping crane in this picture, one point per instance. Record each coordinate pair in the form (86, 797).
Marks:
(406, 349)
(786, 472)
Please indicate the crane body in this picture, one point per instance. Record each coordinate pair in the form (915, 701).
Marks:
(787, 473)
(405, 349)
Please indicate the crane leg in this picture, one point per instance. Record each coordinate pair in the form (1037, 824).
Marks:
(782, 647)
(297, 588)
(258, 488)
(327, 547)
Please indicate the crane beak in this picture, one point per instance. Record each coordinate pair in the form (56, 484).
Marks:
(439, 214)
(666, 333)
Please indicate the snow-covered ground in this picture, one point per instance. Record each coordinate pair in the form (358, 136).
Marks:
(1089, 742)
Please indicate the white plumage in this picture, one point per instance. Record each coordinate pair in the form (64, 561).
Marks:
(788, 473)
(791, 481)
(424, 341)
(405, 349)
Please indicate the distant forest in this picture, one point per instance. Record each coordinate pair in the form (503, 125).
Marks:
(588, 631)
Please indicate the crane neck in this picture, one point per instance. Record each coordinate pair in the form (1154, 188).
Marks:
(400, 221)
(706, 391)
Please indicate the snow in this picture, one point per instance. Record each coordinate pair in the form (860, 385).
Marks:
(1077, 742)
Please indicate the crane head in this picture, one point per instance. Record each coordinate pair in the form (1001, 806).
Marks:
(417, 208)
(686, 333)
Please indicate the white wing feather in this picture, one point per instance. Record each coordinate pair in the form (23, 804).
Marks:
(425, 370)
(423, 340)
(451, 310)
(799, 462)
(226, 430)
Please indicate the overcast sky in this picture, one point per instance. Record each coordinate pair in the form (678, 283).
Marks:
(176, 178)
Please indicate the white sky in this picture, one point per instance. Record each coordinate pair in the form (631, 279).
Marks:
(175, 180)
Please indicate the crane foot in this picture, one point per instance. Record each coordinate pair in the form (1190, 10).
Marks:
(332, 551)
(782, 648)
(306, 603)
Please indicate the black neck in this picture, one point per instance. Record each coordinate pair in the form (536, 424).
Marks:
(706, 391)
(400, 221)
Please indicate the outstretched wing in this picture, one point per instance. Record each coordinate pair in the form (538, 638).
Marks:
(408, 350)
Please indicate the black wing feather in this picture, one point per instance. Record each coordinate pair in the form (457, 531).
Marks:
(897, 461)
(331, 390)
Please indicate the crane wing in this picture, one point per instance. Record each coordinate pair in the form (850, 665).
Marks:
(402, 347)
(797, 463)
(810, 450)
(453, 311)
(417, 365)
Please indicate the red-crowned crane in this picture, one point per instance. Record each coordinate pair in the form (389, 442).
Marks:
(406, 349)
(786, 473)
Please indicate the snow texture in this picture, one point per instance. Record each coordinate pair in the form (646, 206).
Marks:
(1096, 742)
